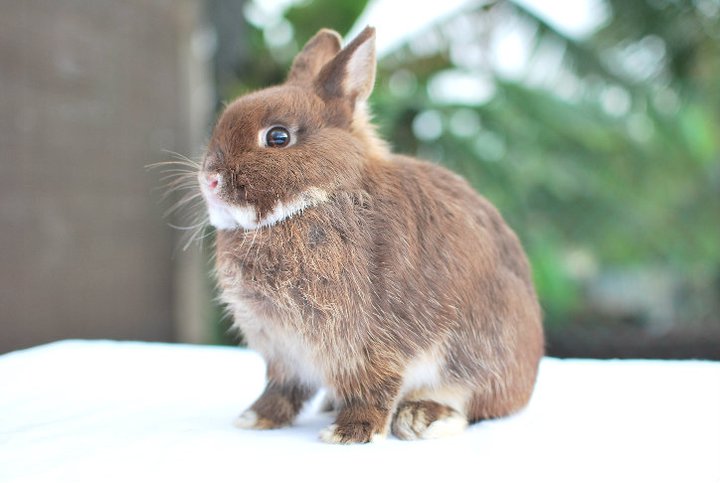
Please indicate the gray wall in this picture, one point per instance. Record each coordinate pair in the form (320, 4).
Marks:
(91, 92)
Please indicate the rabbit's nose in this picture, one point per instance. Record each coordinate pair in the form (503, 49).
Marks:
(213, 181)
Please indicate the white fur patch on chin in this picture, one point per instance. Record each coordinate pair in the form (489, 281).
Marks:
(225, 217)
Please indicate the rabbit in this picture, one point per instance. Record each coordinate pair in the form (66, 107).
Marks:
(386, 280)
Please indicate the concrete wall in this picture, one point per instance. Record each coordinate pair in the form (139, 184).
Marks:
(90, 92)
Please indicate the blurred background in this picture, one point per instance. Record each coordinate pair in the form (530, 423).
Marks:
(593, 125)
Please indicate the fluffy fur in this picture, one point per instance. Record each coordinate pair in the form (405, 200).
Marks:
(385, 279)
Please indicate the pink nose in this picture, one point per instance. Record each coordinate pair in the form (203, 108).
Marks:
(212, 181)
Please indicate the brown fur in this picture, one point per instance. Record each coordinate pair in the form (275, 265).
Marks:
(398, 284)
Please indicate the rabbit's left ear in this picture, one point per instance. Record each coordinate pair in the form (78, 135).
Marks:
(351, 73)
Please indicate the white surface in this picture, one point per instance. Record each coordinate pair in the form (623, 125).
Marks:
(120, 411)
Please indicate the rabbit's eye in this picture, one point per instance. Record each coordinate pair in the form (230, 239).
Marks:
(277, 137)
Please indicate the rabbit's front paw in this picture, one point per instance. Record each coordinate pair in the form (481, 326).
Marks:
(251, 420)
(348, 433)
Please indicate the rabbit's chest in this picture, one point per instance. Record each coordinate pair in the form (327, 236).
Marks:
(284, 342)
(309, 269)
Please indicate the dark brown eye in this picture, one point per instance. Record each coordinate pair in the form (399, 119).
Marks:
(277, 137)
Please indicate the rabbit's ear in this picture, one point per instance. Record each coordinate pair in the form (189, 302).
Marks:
(351, 74)
(316, 53)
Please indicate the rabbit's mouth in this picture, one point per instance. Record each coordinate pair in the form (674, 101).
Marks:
(224, 216)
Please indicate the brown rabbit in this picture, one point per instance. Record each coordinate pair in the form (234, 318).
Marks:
(384, 279)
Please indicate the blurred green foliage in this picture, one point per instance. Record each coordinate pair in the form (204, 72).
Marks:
(607, 159)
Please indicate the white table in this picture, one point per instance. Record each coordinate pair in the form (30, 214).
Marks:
(98, 411)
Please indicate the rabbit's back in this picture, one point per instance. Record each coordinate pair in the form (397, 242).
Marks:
(466, 281)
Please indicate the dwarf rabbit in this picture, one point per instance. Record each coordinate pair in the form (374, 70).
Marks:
(384, 279)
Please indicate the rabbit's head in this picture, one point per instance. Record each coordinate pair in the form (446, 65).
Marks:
(280, 150)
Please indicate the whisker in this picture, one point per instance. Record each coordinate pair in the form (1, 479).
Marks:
(181, 202)
(171, 185)
(206, 234)
(174, 163)
(180, 157)
(179, 182)
(187, 228)
(194, 236)
(177, 173)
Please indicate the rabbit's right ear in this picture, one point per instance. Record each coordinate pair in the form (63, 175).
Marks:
(350, 75)
(316, 53)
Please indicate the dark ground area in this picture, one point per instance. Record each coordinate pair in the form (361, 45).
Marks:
(633, 342)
